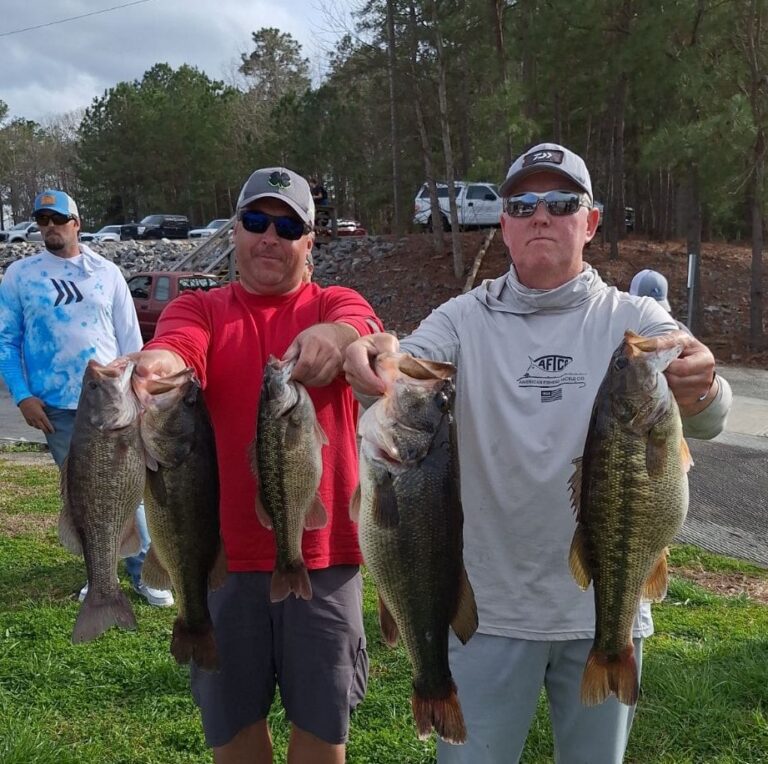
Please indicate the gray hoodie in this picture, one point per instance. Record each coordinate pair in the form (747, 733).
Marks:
(529, 366)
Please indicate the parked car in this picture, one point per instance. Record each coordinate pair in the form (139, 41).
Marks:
(629, 217)
(478, 205)
(153, 290)
(107, 233)
(208, 230)
(27, 230)
(350, 228)
(163, 227)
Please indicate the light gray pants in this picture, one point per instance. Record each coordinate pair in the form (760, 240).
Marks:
(499, 682)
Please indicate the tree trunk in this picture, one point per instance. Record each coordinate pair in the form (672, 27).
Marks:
(616, 200)
(458, 259)
(392, 59)
(756, 338)
(497, 24)
(438, 239)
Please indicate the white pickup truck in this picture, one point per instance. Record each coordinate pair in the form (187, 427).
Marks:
(478, 205)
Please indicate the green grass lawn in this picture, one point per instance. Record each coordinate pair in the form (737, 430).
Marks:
(123, 700)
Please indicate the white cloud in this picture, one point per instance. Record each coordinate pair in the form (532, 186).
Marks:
(60, 68)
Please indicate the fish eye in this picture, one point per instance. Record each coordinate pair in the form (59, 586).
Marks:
(621, 363)
(93, 385)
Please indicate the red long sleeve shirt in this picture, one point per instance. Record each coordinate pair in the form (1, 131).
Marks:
(227, 335)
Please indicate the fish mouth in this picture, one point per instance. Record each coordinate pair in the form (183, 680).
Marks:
(390, 366)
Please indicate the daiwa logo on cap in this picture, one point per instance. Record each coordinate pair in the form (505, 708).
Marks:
(551, 156)
(47, 199)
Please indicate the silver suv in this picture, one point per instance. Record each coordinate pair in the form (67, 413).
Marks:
(28, 230)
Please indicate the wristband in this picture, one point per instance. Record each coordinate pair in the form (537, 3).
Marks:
(714, 376)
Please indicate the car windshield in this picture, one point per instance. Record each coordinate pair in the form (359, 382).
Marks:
(442, 192)
(152, 219)
(19, 226)
(109, 229)
(218, 223)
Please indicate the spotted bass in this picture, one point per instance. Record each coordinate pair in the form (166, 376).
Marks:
(286, 458)
(630, 494)
(102, 482)
(182, 507)
(408, 507)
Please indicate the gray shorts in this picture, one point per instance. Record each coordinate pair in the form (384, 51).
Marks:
(313, 650)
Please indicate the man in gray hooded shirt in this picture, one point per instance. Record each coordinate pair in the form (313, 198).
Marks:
(531, 349)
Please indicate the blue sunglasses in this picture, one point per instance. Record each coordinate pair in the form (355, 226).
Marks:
(286, 227)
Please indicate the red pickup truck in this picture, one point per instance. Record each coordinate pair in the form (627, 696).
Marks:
(153, 290)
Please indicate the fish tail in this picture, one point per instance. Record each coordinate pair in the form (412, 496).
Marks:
(194, 643)
(442, 714)
(293, 580)
(607, 673)
(98, 613)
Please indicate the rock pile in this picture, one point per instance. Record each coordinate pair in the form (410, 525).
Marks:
(332, 258)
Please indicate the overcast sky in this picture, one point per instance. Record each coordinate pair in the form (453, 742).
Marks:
(60, 68)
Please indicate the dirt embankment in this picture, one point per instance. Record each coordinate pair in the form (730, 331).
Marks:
(405, 283)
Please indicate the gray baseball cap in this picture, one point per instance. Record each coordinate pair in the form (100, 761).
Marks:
(279, 183)
(650, 283)
(553, 158)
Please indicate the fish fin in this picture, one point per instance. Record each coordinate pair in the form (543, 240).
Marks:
(655, 588)
(465, 621)
(295, 580)
(574, 483)
(655, 454)
(262, 513)
(219, 570)
(130, 541)
(384, 510)
(389, 629)
(153, 573)
(685, 455)
(578, 560)
(442, 714)
(194, 644)
(150, 461)
(322, 438)
(605, 674)
(68, 535)
(317, 517)
(97, 614)
(354, 505)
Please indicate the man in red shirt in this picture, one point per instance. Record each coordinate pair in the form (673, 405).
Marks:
(314, 650)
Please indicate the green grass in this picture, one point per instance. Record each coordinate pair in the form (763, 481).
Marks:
(123, 700)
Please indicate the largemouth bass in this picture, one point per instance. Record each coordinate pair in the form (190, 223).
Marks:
(630, 493)
(182, 507)
(408, 507)
(102, 482)
(286, 458)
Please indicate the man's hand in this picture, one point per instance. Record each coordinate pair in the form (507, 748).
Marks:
(319, 353)
(691, 377)
(34, 414)
(360, 358)
(154, 364)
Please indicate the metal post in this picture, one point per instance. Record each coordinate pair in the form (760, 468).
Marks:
(692, 266)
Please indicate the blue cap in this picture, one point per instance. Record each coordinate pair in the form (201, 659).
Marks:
(56, 201)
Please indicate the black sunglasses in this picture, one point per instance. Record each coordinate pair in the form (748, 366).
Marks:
(286, 227)
(43, 218)
(558, 203)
